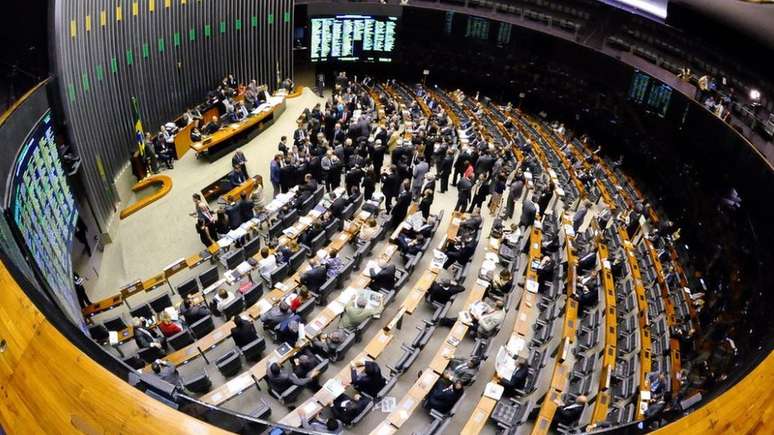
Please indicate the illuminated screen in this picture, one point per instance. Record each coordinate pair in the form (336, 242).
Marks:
(43, 210)
(353, 38)
(650, 92)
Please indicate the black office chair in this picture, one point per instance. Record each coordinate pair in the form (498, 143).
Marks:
(233, 308)
(348, 211)
(275, 230)
(253, 350)
(307, 206)
(360, 416)
(209, 277)
(143, 310)
(198, 384)
(332, 228)
(115, 324)
(278, 274)
(306, 307)
(297, 259)
(252, 247)
(253, 294)
(325, 290)
(286, 397)
(202, 327)
(315, 244)
(229, 364)
(344, 346)
(188, 287)
(180, 340)
(150, 354)
(290, 218)
(160, 303)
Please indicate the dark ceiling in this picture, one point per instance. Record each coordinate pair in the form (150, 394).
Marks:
(756, 19)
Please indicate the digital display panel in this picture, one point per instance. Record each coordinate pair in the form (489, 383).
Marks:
(353, 38)
(43, 210)
(650, 92)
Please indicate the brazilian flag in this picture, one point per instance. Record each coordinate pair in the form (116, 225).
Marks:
(139, 134)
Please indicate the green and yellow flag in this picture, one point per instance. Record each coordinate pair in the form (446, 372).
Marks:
(139, 134)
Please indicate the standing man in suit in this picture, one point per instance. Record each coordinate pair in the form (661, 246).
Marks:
(240, 160)
(236, 177)
(390, 186)
(445, 170)
(463, 193)
(274, 174)
(514, 193)
(420, 169)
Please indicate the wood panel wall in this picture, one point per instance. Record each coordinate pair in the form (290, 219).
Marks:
(47, 385)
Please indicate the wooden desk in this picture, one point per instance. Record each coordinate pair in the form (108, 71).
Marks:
(216, 143)
(413, 398)
(164, 182)
(183, 140)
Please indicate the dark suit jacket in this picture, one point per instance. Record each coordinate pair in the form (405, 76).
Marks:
(314, 278)
(338, 206)
(385, 279)
(443, 397)
(244, 335)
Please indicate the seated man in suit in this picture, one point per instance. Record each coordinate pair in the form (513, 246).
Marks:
(502, 284)
(303, 363)
(338, 204)
(307, 189)
(346, 408)
(545, 270)
(462, 369)
(569, 414)
(192, 313)
(275, 315)
(442, 290)
(311, 233)
(444, 395)
(167, 372)
(280, 378)
(244, 332)
(384, 279)
(144, 337)
(518, 379)
(316, 276)
(357, 310)
(367, 377)
(287, 330)
(409, 245)
(326, 345)
(212, 126)
(237, 176)
(461, 251)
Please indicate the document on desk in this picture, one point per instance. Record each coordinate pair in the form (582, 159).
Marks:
(504, 364)
(334, 387)
(371, 269)
(244, 268)
(225, 242)
(347, 295)
(494, 391)
(532, 286)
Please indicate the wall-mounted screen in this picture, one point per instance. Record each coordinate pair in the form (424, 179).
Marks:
(650, 92)
(42, 208)
(353, 38)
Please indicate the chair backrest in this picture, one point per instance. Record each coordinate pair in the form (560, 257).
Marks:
(209, 277)
(115, 324)
(233, 308)
(202, 327)
(253, 294)
(229, 364)
(278, 274)
(198, 384)
(318, 194)
(332, 228)
(305, 308)
(297, 259)
(180, 340)
(307, 205)
(345, 346)
(317, 243)
(348, 211)
(275, 230)
(188, 287)
(160, 303)
(149, 354)
(252, 350)
(326, 289)
(290, 218)
(252, 247)
(234, 258)
(143, 310)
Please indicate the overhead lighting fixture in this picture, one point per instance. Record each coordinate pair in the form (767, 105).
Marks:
(755, 94)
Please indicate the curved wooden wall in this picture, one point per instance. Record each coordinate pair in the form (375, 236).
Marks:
(746, 408)
(47, 385)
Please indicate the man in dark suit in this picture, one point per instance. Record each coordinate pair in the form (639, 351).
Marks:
(346, 408)
(338, 134)
(390, 186)
(514, 193)
(443, 396)
(338, 205)
(245, 208)
(280, 379)
(528, 212)
(402, 205)
(236, 177)
(442, 291)
(569, 414)
(463, 193)
(384, 279)
(315, 277)
(445, 170)
(244, 332)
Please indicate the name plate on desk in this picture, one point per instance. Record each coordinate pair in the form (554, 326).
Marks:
(131, 289)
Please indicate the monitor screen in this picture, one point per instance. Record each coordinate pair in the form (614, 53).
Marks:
(42, 208)
(649, 92)
(353, 38)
